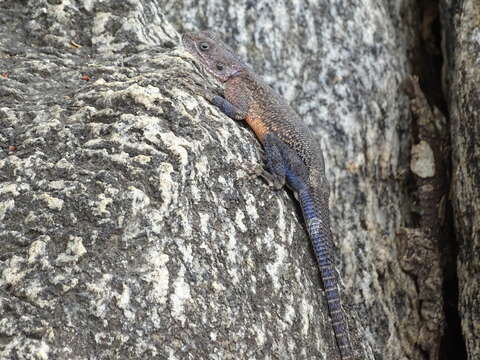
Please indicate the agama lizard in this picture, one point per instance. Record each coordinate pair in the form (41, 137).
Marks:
(292, 154)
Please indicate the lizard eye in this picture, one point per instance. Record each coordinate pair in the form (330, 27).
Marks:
(204, 46)
(220, 67)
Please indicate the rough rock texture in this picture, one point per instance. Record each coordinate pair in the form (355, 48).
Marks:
(129, 231)
(421, 243)
(462, 75)
(128, 228)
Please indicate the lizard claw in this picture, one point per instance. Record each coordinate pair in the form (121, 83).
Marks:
(274, 181)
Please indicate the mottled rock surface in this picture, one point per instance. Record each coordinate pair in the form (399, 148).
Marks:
(128, 228)
(462, 78)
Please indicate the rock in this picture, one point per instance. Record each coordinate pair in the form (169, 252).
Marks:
(462, 76)
(129, 228)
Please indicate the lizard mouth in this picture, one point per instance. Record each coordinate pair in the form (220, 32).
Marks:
(187, 41)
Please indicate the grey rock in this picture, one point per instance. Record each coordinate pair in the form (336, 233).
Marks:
(128, 226)
(462, 76)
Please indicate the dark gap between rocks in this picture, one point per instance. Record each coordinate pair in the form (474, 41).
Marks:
(427, 65)
(452, 344)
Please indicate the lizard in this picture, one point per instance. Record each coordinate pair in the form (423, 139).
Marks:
(293, 157)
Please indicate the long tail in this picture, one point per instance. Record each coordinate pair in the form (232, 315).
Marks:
(318, 226)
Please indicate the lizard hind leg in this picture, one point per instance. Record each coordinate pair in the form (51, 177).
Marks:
(283, 166)
(284, 162)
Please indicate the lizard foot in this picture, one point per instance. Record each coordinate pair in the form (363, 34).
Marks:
(274, 181)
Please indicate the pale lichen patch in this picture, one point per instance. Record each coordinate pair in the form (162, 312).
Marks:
(232, 251)
(75, 250)
(186, 251)
(142, 159)
(260, 335)
(101, 293)
(224, 134)
(180, 295)
(100, 208)
(196, 192)
(251, 206)
(43, 351)
(289, 314)
(167, 187)
(66, 282)
(9, 188)
(120, 158)
(33, 292)
(218, 287)
(177, 145)
(239, 217)
(56, 185)
(123, 302)
(94, 143)
(6, 206)
(102, 337)
(52, 202)
(186, 224)
(140, 200)
(306, 311)
(157, 274)
(274, 268)
(142, 347)
(422, 163)
(281, 223)
(64, 164)
(202, 166)
(145, 96)
(14, 272)
(204, 219)
(37, 250)
(76, 246)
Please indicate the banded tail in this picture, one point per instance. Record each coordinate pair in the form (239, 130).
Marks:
(319, 232)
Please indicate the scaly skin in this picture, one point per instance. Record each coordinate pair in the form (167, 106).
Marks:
(292, 155)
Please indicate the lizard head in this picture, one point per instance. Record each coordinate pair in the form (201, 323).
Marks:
(217, 57)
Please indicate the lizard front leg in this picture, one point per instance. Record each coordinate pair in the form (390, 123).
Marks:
(227, 107)
(223, 104)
